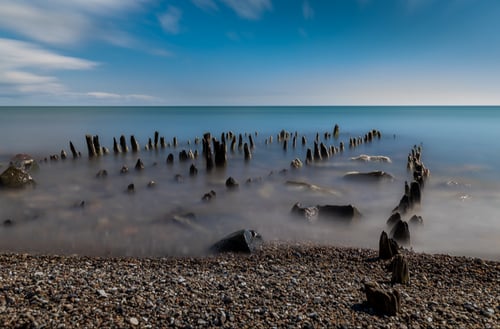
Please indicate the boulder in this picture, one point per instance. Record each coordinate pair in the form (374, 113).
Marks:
(231, 183)
(401, 233)
(209, 196)
(400, 272)
(385, 302)
(376, 175)
(242, 241)
(309, 213)
(387, 248)
(342, 213)
(14, 177)
(24, 162)
(296, 163)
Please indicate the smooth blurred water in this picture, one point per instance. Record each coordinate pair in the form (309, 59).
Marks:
(459, 144)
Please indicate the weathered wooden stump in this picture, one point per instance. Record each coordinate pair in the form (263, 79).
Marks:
(385, 302)
(73, 150)
(134, 144)
(387, 248)
(246, 150)
(90, 146)
(400, 271)
(123, 144)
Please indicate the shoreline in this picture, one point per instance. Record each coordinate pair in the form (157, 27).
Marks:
(282, 284)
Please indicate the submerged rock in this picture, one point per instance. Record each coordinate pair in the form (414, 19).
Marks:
(344, 213)
(14, 177)
(368, 176)
(309, 213)
(244, 241)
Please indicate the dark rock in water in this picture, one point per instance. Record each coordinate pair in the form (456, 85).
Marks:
(73, 150)
(336, 131)
(123, 144)
(416, 221)
(385, 302)
(134, 143)
(368, 176)
(209, 196)
(24, 162)
(309, 157)
(309, 213)
(131, 187)
(179, 178)
(124, 170)
(102, 173)
(151, 183)
(193, 171)
(400, 271)
(8, 222)
(343, 213)
(139, 165)
(64, 155)
(393, 219)
(324, 151)
(296, 163)
(317, 152)
(401, 233)
(231, 183)
(387, 248)
(244, 241)
(170, 158)
(14, 177)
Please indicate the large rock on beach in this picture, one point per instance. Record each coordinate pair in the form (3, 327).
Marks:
(242, 241)
(385, 302)
(308, 213)
(14, 177)
(377, 175)
(340, 213)
(24, 162)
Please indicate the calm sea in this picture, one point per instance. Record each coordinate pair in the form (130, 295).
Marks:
(460, 205)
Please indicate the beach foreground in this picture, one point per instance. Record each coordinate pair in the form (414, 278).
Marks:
(282, 285)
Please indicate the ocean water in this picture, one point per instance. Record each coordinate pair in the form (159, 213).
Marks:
(460, 204)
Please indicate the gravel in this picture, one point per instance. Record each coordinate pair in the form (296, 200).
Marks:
(281, 285)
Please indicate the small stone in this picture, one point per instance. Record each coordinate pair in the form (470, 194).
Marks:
(102, 293)
(134, 321)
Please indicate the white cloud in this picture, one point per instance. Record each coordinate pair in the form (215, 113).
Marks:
(120, 97)
(22, 64)
(207, 5)
(249, 9)
(307, 10)
(170, 20)
(61, 22)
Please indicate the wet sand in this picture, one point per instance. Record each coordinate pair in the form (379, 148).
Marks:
(281, 285)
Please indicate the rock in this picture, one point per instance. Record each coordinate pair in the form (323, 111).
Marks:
(102, 173)
(296, 163)
(170, 158)
(372, 158)
(309, 213)
(401, 233)
(344, 213)
(193, 171)
(416, 221)
(393, 219)
(131, 187)
(244, 241)
(385, 302)
(400, 272)
(14, 177)
(404, 205)
(124, 169)
(231, 183)
(24, 162)
(139, 165)
(209, 196)
(248, 153)
(387, 248)
(134, 321)
(376, 175)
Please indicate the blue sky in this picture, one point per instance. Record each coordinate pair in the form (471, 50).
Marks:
(249, 52)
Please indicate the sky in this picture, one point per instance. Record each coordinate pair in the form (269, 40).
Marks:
(249, 52)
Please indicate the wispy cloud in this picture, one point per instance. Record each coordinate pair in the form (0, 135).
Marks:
(171, 19)
(121, 97)
(60, 22)
(249, 9)
(207, 5)
(307, 10)
(24, 67)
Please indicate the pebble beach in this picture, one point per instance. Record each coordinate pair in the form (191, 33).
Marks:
(280, 285)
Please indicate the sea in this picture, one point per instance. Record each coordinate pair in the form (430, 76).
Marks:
(73, 210)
